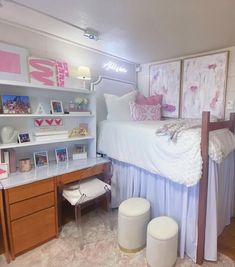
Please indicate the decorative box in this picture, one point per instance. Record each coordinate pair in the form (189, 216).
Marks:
(80, 155)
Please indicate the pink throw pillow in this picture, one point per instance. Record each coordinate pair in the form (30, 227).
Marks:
(148, 100)
(145, 112)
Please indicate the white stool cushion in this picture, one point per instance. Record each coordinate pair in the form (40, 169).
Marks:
(162, 241)
(163, 228)
(133, 218)
(92, 188)
(134, 206)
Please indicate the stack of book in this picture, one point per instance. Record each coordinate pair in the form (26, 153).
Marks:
(50, 135)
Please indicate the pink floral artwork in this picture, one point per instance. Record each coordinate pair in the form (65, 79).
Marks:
(204, 84)
(42, 71)
(165, 81)
(61, 72)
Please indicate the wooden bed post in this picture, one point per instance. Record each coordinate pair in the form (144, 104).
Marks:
(232, 119)
(203, 187)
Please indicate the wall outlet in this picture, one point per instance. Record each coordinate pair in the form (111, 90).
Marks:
(229, 105)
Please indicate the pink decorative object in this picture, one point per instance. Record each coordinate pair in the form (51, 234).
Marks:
(61, 72)
(165, 81)
(42, 71)
(13, 63)
(150, 100)
(145, 112)
(48, 122)
(12, 159)
(3, 170)
(58, 122)
(169, 108)
(204, 83)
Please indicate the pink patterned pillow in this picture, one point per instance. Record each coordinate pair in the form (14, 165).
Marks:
(145, 112)
(150, 100)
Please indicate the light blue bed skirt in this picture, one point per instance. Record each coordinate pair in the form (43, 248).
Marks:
(181, 202)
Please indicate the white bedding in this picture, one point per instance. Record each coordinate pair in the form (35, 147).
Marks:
(137, 143)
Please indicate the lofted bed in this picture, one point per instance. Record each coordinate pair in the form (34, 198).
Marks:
(201, 206)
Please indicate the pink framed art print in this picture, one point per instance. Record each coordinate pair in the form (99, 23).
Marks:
(13, 63)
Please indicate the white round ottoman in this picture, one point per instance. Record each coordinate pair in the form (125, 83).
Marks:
(133, 218)
(162, 240)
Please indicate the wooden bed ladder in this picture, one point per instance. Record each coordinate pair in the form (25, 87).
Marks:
(207, 126)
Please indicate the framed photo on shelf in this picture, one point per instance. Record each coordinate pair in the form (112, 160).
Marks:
(57, 107)
(40, 159)
(23, 138)
(61, 155)
(80, 152)
(12, 104)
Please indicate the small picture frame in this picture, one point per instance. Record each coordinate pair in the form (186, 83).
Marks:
(61, 155)
(12, 104)
(40, 159)
(57, 107)
(24, 138)
(80, 149)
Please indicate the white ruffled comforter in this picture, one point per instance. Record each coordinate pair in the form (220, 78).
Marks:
(137, 143)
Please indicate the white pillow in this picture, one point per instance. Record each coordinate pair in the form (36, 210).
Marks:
(118, 107)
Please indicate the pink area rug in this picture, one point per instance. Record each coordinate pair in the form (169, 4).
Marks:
(100, 250)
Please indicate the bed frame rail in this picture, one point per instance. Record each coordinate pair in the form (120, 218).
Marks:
(207, 126)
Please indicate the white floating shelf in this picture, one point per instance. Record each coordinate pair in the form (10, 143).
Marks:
(44, 87)
(43, 115)
(34, 143)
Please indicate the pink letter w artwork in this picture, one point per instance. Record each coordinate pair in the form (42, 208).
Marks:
(42, 71)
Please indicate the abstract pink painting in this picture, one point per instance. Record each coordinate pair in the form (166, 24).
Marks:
(42, 71)
(204, 84)
(13, 63)
(165, 80)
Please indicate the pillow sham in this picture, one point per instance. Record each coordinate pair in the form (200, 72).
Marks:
(148, 100)
(145, 112)
(118, 107)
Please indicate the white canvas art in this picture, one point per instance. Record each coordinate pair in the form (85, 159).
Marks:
(204, 83)
(165, 80)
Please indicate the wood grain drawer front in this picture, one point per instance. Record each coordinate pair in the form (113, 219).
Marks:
(31, 205)
(30, 190)
(33, 230)
(81, 174)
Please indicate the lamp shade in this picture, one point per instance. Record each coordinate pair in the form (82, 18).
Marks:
(84, 73)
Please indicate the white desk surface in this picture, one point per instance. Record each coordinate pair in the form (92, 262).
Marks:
(53, 169)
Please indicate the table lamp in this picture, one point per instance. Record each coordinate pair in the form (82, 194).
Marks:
(84, 74)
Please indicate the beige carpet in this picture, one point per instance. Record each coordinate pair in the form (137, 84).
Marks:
(101, 249)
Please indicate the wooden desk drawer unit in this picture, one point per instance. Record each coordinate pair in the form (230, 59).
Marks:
(31, 215)
(31, 205)
(33, 230)
(30, 190)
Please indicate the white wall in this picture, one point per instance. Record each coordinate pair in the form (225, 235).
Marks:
(45, 46)
(143, 75)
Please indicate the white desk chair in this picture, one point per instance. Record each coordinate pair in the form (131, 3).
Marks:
(82, 194)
